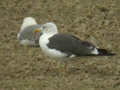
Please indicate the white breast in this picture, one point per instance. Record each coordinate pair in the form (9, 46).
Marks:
(53, 53)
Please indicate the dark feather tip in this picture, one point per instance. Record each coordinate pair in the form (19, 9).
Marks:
(104, 52)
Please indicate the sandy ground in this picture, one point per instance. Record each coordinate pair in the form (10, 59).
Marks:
(27, 68)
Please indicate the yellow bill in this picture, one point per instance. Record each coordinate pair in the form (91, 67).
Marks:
(36, 31)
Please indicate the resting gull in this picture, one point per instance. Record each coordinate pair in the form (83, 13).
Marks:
(26, 34)
(63, 46)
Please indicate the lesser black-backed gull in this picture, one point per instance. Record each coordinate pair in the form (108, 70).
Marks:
(63, 46)
(26, 35)
(58, 45)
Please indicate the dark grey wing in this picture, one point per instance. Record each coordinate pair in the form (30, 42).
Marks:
(70, 44)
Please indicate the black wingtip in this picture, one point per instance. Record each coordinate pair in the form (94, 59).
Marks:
(104, 52)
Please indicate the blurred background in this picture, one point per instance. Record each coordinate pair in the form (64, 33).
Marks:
(26, 68)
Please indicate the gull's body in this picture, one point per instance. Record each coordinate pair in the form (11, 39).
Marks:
(65, 46)
(57, 45)
(26, 34)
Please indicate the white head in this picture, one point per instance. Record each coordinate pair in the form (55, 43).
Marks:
(49, 28)
(28, 21)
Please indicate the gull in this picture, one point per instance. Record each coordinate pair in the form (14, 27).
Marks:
(61, 46)
(26, 34)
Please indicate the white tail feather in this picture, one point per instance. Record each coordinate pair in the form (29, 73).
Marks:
(95, 51)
